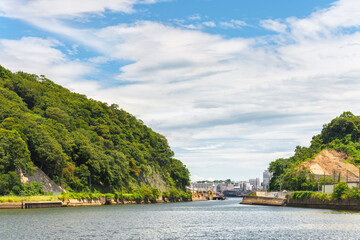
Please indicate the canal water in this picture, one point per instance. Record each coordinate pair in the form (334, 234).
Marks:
(189, 220)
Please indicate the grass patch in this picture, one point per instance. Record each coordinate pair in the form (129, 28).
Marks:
(5, 199)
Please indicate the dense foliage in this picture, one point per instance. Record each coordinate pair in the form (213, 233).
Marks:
(341, 134)
(141, 194)
(341, 191)
(80, 143)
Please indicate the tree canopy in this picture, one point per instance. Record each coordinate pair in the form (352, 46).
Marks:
(78, 142)
(341, 134)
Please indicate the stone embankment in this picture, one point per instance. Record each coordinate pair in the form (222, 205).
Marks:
(269, 201)
(346, 204)
(32, 204)
(11, 205)
(86, 203)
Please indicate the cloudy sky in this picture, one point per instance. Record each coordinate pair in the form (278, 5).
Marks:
(232, 84)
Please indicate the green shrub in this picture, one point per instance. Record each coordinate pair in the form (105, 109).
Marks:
(155, 192)
(353, 193)
(187, 195)
(321, 196)
(302, 195)
(109, 196)
(166, 194)
(339, 190)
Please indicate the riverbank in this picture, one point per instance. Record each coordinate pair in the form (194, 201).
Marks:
(89, 202)
(345, 204)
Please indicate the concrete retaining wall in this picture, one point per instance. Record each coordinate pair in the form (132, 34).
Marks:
(273, 194)
(269, 201)
(317, 203)
(32, 204)
(11, 205)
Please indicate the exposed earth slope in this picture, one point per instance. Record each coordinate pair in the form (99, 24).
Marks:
(335, 149)
(329, 162)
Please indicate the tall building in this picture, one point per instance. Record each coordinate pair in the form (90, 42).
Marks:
(266, 179)
(255, 183)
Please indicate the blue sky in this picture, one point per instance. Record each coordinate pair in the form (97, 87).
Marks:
(232, 84)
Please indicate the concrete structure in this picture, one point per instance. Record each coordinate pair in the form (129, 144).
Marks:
(266, 180)
(353, 184)
(269, 201)
(327, 188)
(255, 184)
(273, 194)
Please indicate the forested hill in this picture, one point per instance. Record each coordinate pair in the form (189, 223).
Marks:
(341, 134)
(76, 141)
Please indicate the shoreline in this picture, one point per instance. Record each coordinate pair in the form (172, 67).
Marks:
(86, 203)
(347, 205)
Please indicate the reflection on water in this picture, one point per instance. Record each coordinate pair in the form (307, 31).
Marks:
(192, 220)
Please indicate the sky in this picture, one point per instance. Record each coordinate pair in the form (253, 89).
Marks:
(232, 84)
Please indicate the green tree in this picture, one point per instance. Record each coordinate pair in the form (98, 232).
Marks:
(339, 190)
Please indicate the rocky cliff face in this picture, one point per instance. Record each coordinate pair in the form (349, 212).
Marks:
(154, 179)
(40, 177)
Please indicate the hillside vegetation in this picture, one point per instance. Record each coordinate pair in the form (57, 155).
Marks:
(341, 134)
(80, 143)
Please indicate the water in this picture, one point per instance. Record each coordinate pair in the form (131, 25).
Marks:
(189, 220)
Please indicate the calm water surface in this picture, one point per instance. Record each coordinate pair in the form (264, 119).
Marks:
(192, 220)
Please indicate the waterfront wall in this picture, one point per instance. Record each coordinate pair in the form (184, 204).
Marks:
(269, 201)
(272, 194)
(88, 202)
(11, 205)
(83, 202)
(346, 204)
(32, 204)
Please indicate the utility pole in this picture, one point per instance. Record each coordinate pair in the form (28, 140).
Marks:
(318, 185)
(347, 175)
(280, 183)
(334, 176)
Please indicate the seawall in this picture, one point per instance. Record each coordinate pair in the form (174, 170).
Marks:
(346, 204)
(31, 204)
(269, 201)
(86, 203)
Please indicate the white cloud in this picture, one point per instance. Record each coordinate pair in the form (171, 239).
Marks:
(40, 56)
(24, 9)
(195, 17)
(235, 89)
(233, 103)
(233, 23)
(273, 25)
(209, 24)
(323, 23)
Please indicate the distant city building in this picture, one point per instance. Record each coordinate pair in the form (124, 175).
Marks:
(230, 187)
(208, 186)
(266, 179)
(255, 184)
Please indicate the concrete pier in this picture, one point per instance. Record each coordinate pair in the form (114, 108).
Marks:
(269, 201)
